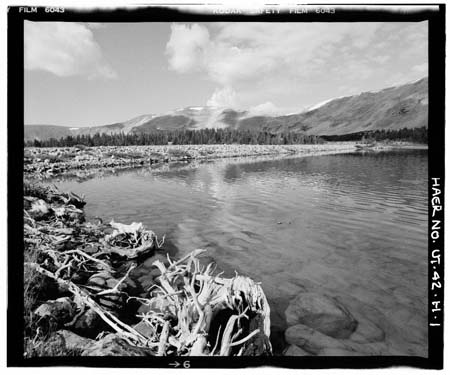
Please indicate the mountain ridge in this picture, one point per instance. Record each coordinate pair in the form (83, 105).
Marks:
(393, 108)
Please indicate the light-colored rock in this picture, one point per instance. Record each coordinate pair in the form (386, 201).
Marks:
(61, 310)
(112, 345)
(74, 341)
(144, 329)
(99, 279)
(322, 313)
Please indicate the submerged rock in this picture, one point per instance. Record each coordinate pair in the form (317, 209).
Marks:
(317, 343)
(335, 352)
(181, 309)
(367, 332)
(322, 313)
(295, 351)
(311, 340)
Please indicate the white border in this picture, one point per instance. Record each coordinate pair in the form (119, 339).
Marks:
(3, 205)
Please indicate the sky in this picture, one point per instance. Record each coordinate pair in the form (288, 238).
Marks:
(85, 74)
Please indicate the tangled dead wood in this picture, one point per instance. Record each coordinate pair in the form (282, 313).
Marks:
(189, 310)
(131, 241)
(188, 302)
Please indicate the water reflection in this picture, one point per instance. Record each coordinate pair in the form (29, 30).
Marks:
(352, 226)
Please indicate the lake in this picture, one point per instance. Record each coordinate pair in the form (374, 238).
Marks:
(352, 226)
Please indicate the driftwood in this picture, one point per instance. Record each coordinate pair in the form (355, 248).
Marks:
(191, 310)
(135, 237)
(192, 297)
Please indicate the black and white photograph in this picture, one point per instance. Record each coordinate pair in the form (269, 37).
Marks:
(196, 182)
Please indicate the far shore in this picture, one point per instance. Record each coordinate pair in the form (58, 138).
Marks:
(48, 162)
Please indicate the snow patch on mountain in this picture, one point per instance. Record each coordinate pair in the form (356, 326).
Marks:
(321, 104)
(136, 121)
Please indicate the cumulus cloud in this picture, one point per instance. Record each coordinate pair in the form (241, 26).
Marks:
(381, 59)
(187, 46)
(421, 68)
(251, 63)
(224, 97)
(64, 49)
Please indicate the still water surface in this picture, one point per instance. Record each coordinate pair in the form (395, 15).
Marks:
(353, 226)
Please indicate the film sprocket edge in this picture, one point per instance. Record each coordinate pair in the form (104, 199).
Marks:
(261, 188)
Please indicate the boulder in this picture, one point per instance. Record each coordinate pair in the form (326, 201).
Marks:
(371, 348)
(97, 281)
(322, 313)
(100, 279)
(61, 310)
(113, 302)
(104, 280)
(113, 345)
(295, 351)
(89, 324)
(317, 343)
(131, 287)
(73, 341)
(144, 329)
(367, 332)
(311, 340)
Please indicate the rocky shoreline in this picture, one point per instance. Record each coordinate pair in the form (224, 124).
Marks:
(69, 260)
(86, 294)
(83, 297)
(50, 162)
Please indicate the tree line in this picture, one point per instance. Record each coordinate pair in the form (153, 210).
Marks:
(226, 136)
(417, 135)
(177, 137)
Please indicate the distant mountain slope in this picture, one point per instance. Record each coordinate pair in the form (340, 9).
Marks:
(399, 107)
(191, 118)
(167, 122)
(41, 132)
(392, 108)
(136, 121)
